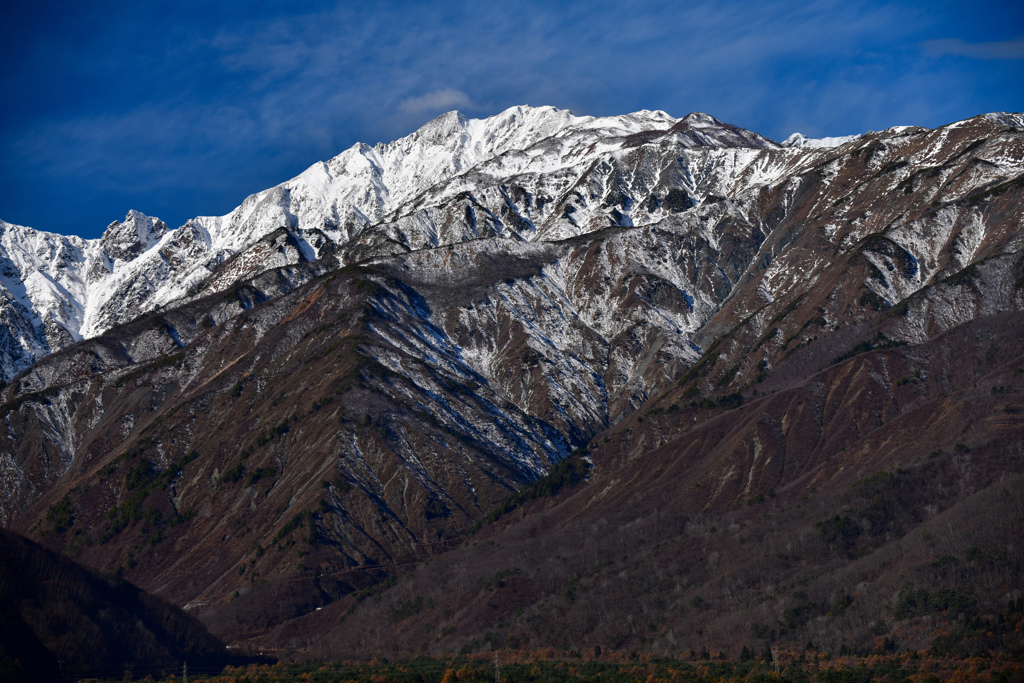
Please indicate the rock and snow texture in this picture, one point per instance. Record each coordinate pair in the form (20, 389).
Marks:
(526, 174)
(801, 140)
(57, 290)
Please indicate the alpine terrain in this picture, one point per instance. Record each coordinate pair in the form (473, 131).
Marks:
(541, 380)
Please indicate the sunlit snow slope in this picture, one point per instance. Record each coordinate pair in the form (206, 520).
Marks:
(59, 289)
(525, 174)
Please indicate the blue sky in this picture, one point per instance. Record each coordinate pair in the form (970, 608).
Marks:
(183, 108)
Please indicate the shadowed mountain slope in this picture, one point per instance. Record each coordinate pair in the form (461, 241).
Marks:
(60, 621)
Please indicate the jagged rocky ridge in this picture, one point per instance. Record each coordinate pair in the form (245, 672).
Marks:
(372, 355)
(526, 174)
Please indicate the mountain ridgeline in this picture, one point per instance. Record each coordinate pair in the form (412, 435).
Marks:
(541, 380)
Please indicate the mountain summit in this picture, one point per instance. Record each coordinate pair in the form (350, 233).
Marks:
(61, 289)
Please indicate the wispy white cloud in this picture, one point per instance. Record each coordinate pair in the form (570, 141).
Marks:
(1000, 49)
(254, 98)
(436, 101)
(149, 147)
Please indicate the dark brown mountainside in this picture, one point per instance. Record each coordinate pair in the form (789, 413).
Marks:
(214, 474)
(877, 500)
(911, 224)
(59, 621)
(798, 383)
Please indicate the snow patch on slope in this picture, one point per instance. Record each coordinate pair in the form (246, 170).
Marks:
(799, 140)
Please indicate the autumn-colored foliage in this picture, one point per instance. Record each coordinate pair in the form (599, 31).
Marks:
(550, 666)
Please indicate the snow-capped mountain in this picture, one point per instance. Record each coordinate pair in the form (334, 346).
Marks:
(390, 343)
(49, 281)
(531, 173)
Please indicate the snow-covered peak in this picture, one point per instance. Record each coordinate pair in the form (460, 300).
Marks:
(67, 288)
(123, 241)
(476, 139)
(366, 184)
(625, 124)
(699, 119)
(704, 130)
(526, 173)
(1015, 120)
(799, 140)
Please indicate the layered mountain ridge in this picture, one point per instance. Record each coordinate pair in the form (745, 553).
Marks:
(267, 412)
(61, 289)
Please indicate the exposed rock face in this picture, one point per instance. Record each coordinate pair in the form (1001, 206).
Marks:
(527, 174)
(341, 376)
(890, 472)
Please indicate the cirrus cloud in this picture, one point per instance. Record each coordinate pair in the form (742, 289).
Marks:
(436, 101)
(226, 99)
(999, 49)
